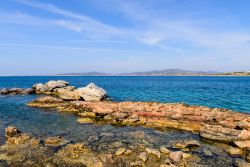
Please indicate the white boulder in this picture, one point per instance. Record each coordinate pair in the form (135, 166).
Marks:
(92, 92)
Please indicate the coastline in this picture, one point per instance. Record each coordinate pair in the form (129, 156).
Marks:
(224, 130)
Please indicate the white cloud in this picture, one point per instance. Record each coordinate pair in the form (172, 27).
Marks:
(150, 27)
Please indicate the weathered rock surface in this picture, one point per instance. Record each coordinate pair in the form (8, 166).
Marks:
(63, 90)
(92, 92)
(50, 86)
(120, 151)
(214, 124)
(235, 151)
(68, 95)
(176, 157)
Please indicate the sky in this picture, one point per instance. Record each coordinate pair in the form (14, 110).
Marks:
(39, 37)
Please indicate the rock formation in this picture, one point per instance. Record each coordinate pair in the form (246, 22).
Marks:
(61, 89)
(91, 92)
(16, 91)
(214, 124)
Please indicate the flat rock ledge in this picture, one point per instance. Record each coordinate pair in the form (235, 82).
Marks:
(214, 124)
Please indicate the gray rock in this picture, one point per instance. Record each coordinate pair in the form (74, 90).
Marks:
(28, 91)
(4, 91)
(92, 92)
(39, 88)
(15, 90)
(56, 84)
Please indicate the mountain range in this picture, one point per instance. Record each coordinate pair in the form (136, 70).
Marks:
(166, 72)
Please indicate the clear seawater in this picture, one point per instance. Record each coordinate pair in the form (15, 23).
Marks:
(224, 92)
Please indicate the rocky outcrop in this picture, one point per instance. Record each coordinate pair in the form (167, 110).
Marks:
(214, 124)
(61, 89)
(16, 91)
(50, 86)
(91, 92)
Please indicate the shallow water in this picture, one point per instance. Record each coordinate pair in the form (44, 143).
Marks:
(47, 122)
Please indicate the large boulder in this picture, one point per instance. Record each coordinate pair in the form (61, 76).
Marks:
(50, 86)
(56, 84)
(28, 91)
(39, 88)
(15, 90)
(92, 93)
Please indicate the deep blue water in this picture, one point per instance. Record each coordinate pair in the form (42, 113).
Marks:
(224, 92)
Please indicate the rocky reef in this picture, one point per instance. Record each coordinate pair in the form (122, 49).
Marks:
(23, 149)
(214, 124)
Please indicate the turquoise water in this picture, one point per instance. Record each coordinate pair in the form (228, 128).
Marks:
(224, 92)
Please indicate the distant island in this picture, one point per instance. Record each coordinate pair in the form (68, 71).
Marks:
(166, 72)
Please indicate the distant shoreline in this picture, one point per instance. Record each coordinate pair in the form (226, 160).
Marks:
(124, 75)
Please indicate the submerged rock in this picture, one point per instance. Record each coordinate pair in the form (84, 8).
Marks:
(85, 120)
(143, 156)
(32, 152)
(55, 141)
(120, 151)
(11, 131)
(92, 93)
(187, 143)
(176, 157)
(154, 152)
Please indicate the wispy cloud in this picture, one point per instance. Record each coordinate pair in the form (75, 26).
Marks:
(78, 22)
(158, 27)
(149, 27)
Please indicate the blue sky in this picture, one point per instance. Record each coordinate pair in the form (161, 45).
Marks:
(40, 37)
